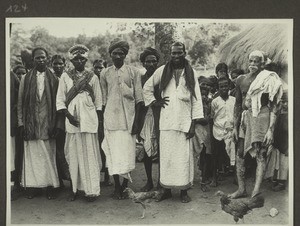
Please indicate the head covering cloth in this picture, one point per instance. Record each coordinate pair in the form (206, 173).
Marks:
(78, 50)
(117, 43)
(147, 52)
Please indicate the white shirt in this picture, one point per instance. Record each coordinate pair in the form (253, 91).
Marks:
(82, 106)
(40, 77)
(222, 112)
(121, 91)
(181, 108)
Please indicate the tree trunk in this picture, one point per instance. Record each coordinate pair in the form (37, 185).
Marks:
(164, 37)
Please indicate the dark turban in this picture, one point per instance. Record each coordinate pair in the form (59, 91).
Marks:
(147, 52)
(119, 44)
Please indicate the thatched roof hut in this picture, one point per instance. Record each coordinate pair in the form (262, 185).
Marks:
(270, 38)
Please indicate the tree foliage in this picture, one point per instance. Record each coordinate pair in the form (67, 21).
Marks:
(205, 39)
(201, 40)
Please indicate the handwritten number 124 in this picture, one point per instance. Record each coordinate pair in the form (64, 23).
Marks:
(16, 8)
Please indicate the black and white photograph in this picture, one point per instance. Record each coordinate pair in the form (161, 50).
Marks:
(139, 121)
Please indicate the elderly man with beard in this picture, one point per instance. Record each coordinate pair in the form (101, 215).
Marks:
(181, 106)
(79, 98)
(122, 97)
(37, 122)
(257, 96)
(149, 117)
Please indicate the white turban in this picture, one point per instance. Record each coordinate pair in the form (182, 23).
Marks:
(260, 54)
(78, 50)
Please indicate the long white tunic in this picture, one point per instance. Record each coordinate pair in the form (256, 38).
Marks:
(176, 156)
(82, 145)
(39, 166)
(122, 90)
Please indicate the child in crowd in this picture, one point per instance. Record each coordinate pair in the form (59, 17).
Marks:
(222, 109)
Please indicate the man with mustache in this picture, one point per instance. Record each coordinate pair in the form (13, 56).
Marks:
(79, 98)
(150, 117)
(181, 106)
(122, 97)
(37, 122)
(257, 97)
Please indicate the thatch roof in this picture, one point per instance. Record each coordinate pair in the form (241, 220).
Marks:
(270, 38)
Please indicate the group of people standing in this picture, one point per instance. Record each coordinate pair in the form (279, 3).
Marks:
(72, 124)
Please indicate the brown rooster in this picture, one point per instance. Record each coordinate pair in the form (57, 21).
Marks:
(239, 207)
(141, 197)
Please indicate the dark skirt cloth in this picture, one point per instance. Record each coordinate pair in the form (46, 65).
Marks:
(255, 128)
(281, 134)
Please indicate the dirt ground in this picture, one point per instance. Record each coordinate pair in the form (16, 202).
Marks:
(203, 209)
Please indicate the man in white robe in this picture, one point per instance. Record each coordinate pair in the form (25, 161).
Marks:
(79, 97)
(181, 106)
(122, 97)
(37, 123)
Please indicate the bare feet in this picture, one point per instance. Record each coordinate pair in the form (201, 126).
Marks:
(31, 193)
(72, 197)
(163, 196)
(147, 187)
(238, 194)
(51, 193)
(214, 183)
(91, 198)
(117, 194)
(106, 183)
(185, 198)
(255, 193)
(278, 187)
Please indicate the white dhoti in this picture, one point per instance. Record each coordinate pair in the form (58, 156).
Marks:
(83, 156)
(12, 153)
(148, 134)
(176, 160)
(39, 166)
(119, 148)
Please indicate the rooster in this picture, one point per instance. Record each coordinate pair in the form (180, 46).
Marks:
(141, 197)
(239, 207)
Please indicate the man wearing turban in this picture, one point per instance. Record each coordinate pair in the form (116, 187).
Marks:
(122, 97)
(149, 117)
(257, 97)
(79, 98)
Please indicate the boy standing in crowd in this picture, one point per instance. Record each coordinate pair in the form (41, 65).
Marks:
(222, 108)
